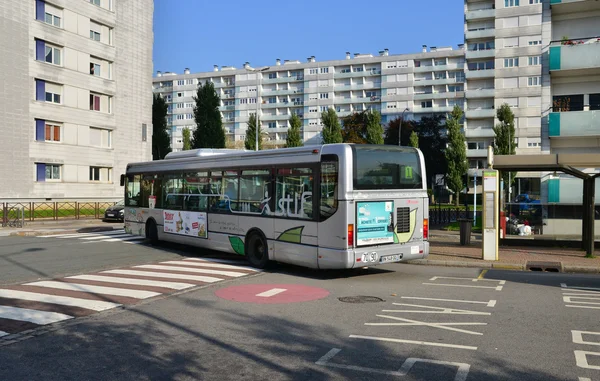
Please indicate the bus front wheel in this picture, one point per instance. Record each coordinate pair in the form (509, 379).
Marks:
(151, 232)
(257, 251)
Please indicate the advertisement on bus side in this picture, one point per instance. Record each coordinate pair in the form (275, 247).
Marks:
(191, 224)
(374, 223)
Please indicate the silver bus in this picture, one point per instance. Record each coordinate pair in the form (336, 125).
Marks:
(335, 206)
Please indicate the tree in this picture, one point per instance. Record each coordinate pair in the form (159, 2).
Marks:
(504, 142)
(414, 140)
(187, 140)
(332, 131)
(391, 133)
(432, 142)
(161, 142)
(456, 153)
(209, 132)
(293, 135)
(250, 142)
(373, 128)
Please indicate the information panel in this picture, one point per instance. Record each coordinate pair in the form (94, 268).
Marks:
(192, 224)
(374, 223)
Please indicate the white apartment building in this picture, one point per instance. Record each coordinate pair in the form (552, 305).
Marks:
(75, 108)
(412, 85)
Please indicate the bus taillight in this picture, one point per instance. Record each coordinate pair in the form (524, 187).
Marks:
(425, 228)
(350, 235)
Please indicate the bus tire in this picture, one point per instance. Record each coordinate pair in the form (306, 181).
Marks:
(151, 232)
(257, 251)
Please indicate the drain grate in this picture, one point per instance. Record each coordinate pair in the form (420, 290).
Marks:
(360, 299)
(552, 267)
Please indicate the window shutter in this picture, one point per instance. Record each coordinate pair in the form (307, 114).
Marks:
(41, 172)
(39, 129)
(40, 10)
(40, 90)
(40, 50)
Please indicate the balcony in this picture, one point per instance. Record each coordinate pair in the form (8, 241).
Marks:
(583, 56)
(480, 33)
(571, 6)
(478, 54)
(574, 124)
(480, 132)
(474, 74)
(440, 109)
(480, 14)
(480, 113)
(480, 93)
(227, 108)
(476, 153)
(351, 74)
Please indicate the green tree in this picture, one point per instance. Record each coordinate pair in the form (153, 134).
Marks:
(414, 139)
(293, 135)
(354, 130)
(187, 139)
(391, 132)
(504, 142)
(250, 142)
(161, 142)
(432, 142)
(209, 132)
(456, 153)
(332, 130)
(373, 128)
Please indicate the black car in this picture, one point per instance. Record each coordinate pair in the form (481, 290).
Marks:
(115, 212)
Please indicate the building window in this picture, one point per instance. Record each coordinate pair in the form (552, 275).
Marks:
(48, 92)
(511, 3)
(52, 133)
(100, 137)
(179, 116)
(272, 124)
(95, 35)
(357, 69)
(426, 104)
(51, 18)
(324, 70)
(48, 172)
(94, 102)
(52, 55)
(511, 62)
(272, 75)
(313, 71)
(536, 42)
(594, 102)
(534, 61)
(535, 1)
(95, 69)
(324, 96)
(94, 173)
(95, 2)
(534, 81)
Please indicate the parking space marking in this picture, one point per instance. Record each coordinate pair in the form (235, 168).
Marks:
(578, 337)
(482, 274)
(564, 285)
(461, 373)
(438, 310)
(491, 303)
(497, 288)
(581, 359)
(416, 342)
(471, 279)
(445, 326)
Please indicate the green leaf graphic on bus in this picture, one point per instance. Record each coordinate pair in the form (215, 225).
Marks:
(237, 245)
(405, 237)
(293, 235)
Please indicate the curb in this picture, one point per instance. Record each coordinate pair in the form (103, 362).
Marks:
(502, 266)
(35, 233)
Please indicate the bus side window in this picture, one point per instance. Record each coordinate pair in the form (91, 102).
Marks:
(294, 193)
(133, 190)
(329, 187)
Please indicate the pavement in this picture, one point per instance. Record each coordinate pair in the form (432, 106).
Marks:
(445, 248)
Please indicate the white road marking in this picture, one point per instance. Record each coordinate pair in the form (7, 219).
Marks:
(2, 333)
(81, 235)
(491, 303)
(564, 285)
(208, 264)
(192, 270)
(216, 260)
(32, 316)
(497, 288)
(471, 279)
(570, 299)
(272, 292)
(137, 294)
(105, 236)
(584, 379)
(581, 359)
(569, 305)
(150, 274)
(461, 374)
(126, 239)
(578, 337)
(433, 325)
(95, 305)
(139, 282)
(416, 342)
(437, 310)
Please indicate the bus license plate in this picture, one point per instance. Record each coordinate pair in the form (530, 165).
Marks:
(390, 258)
(370, 257)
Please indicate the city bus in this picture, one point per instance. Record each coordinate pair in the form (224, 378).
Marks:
(333, 206)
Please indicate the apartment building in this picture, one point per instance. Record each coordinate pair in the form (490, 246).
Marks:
(76, 108)
(412, 85)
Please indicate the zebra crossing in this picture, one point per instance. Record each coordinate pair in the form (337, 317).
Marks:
(105, 236)
(33, 304)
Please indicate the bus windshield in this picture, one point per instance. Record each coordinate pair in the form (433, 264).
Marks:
(386, 167)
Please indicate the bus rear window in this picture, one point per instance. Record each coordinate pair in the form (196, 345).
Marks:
(386, 167)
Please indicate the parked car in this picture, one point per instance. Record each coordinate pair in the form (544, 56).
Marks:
(115, 212)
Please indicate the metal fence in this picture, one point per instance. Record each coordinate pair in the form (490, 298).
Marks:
(11, 213)
(444, 216)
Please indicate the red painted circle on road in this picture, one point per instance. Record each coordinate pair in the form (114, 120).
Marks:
(272, 293)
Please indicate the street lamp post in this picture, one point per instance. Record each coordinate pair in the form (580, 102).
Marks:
(258, 72)
(400, 127)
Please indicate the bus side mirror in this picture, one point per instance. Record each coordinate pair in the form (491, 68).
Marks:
(122, 180)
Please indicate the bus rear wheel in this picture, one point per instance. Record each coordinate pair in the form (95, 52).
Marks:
(151, 232)
(257, 251)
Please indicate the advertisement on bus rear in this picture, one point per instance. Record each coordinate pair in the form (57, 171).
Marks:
(191, 224)
(374, 223)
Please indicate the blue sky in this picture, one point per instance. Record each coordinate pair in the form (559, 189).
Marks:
(199, 34)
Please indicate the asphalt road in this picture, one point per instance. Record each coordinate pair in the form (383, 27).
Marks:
(432, 323)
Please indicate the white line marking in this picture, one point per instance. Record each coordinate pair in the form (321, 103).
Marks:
(192, 270)
(584, 379)
(95, 305)
(419, 323)
(417, 342)
(80, 235)
(208, 279)
(596, 308)
(433, 325)
(139, 282)
(137, 294)
(578, 337)
(272, 292)
(438, 310)
(32, 316)
(461, 374)
(105, 236)
(564, 285)
(208, 264)
(581, 359)
(497, 288)
(217, 260)
(491, 303)
(471, 279)
(581, 293)
(569, 299)
(2, 333)
(130, 238)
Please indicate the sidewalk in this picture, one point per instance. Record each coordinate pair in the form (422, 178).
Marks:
(63, 226)
(445, 250)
